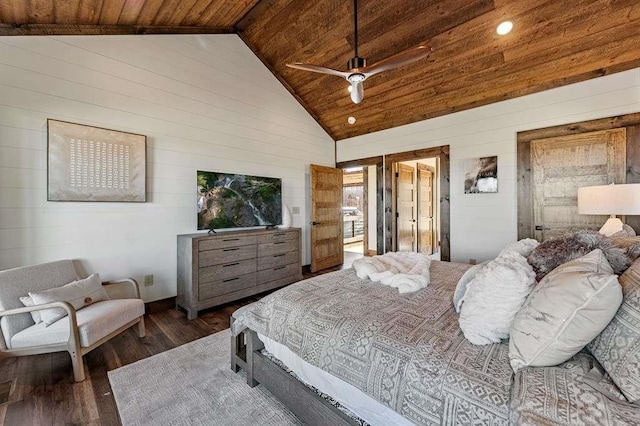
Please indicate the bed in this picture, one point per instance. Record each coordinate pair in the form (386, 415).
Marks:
(388, 358)
(404, 351)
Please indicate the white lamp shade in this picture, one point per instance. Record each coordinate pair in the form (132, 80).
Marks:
(623, 199)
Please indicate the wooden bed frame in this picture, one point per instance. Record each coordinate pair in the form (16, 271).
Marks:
(307, 405)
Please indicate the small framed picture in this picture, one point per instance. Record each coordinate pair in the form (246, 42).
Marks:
(481, 175)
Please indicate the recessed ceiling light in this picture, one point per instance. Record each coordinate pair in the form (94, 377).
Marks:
(504, 27)
(351, 120)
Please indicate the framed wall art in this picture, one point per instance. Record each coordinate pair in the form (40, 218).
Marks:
(481, 175)
(86, 163)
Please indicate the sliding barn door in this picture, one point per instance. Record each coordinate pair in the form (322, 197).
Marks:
(406, 208)
(563, 164)
(327, 247)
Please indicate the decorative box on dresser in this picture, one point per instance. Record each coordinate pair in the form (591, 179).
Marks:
(220, 268)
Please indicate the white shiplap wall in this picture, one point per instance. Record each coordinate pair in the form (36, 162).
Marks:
(481, 224)
(204, 102)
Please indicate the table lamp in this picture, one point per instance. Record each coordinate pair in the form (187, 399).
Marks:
(622, 199)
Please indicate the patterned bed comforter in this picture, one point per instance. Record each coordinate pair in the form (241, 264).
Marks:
(559, 396)
(405, 351)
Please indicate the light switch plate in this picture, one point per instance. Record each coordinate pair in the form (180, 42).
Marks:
(296, 210)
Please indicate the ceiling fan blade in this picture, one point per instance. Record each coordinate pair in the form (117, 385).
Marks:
(357, 92)
(319, 69)
(397, 60)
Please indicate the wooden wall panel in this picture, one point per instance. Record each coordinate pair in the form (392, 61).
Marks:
(553, 44)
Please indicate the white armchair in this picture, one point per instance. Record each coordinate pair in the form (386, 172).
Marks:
(77, 333)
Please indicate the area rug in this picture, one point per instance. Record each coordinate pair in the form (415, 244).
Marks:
(193, 385)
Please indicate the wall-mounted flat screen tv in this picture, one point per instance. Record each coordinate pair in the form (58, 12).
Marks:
(228, 200)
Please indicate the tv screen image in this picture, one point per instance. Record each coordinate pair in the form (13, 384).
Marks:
(236, 201)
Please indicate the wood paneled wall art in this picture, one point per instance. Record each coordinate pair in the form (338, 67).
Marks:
(551, 45)
(631, 125)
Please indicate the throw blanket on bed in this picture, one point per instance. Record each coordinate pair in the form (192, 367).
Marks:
(404, 350)
(408, 272)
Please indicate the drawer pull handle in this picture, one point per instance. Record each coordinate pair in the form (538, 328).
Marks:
(278, 255)
(231, 249)
(280, 242)
(231, 264)
(282, 234)
(230, 279)
(232, 239)
(279, 267)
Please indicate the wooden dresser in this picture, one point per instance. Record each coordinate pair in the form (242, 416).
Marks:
(220, 268)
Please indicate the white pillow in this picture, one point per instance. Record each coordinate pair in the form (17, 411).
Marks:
(566, 310)
(493, 298)
(523, 247)
(463, 285)
(28, 301)
(79, 293)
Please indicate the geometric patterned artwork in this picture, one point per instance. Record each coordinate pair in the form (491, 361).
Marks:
(88, 163)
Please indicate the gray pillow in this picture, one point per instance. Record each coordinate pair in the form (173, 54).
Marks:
(564, 312)
(79, 293)
(617, 348)
(554, 252)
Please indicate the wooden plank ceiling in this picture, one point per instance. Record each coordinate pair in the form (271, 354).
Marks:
(553, 43)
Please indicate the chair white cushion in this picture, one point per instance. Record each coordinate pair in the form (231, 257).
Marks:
(566, 310)
(94, 322)
(79, 293)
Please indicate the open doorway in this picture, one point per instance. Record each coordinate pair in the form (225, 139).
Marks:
(354, 208)
(417, 206)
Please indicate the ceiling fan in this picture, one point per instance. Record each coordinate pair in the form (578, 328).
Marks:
(358, 69)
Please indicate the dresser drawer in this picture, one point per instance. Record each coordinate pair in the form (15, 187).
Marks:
(277, 247)
(226, 242)
(267, 262)
(225, 255)
(277, 272)
(229, 285)
(226, 270)
(277, 236)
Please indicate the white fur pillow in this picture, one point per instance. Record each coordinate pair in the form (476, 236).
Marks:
(463, 285)
(523, 247)
(494, 296)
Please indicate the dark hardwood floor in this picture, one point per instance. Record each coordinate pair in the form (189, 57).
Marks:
(44, 392)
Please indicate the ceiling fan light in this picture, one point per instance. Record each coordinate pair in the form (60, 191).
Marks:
(357, 92)
(356, 77)
(504, 28)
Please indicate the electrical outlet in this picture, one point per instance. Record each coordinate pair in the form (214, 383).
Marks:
(471, 261)
(148, 280)
(296, 210)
